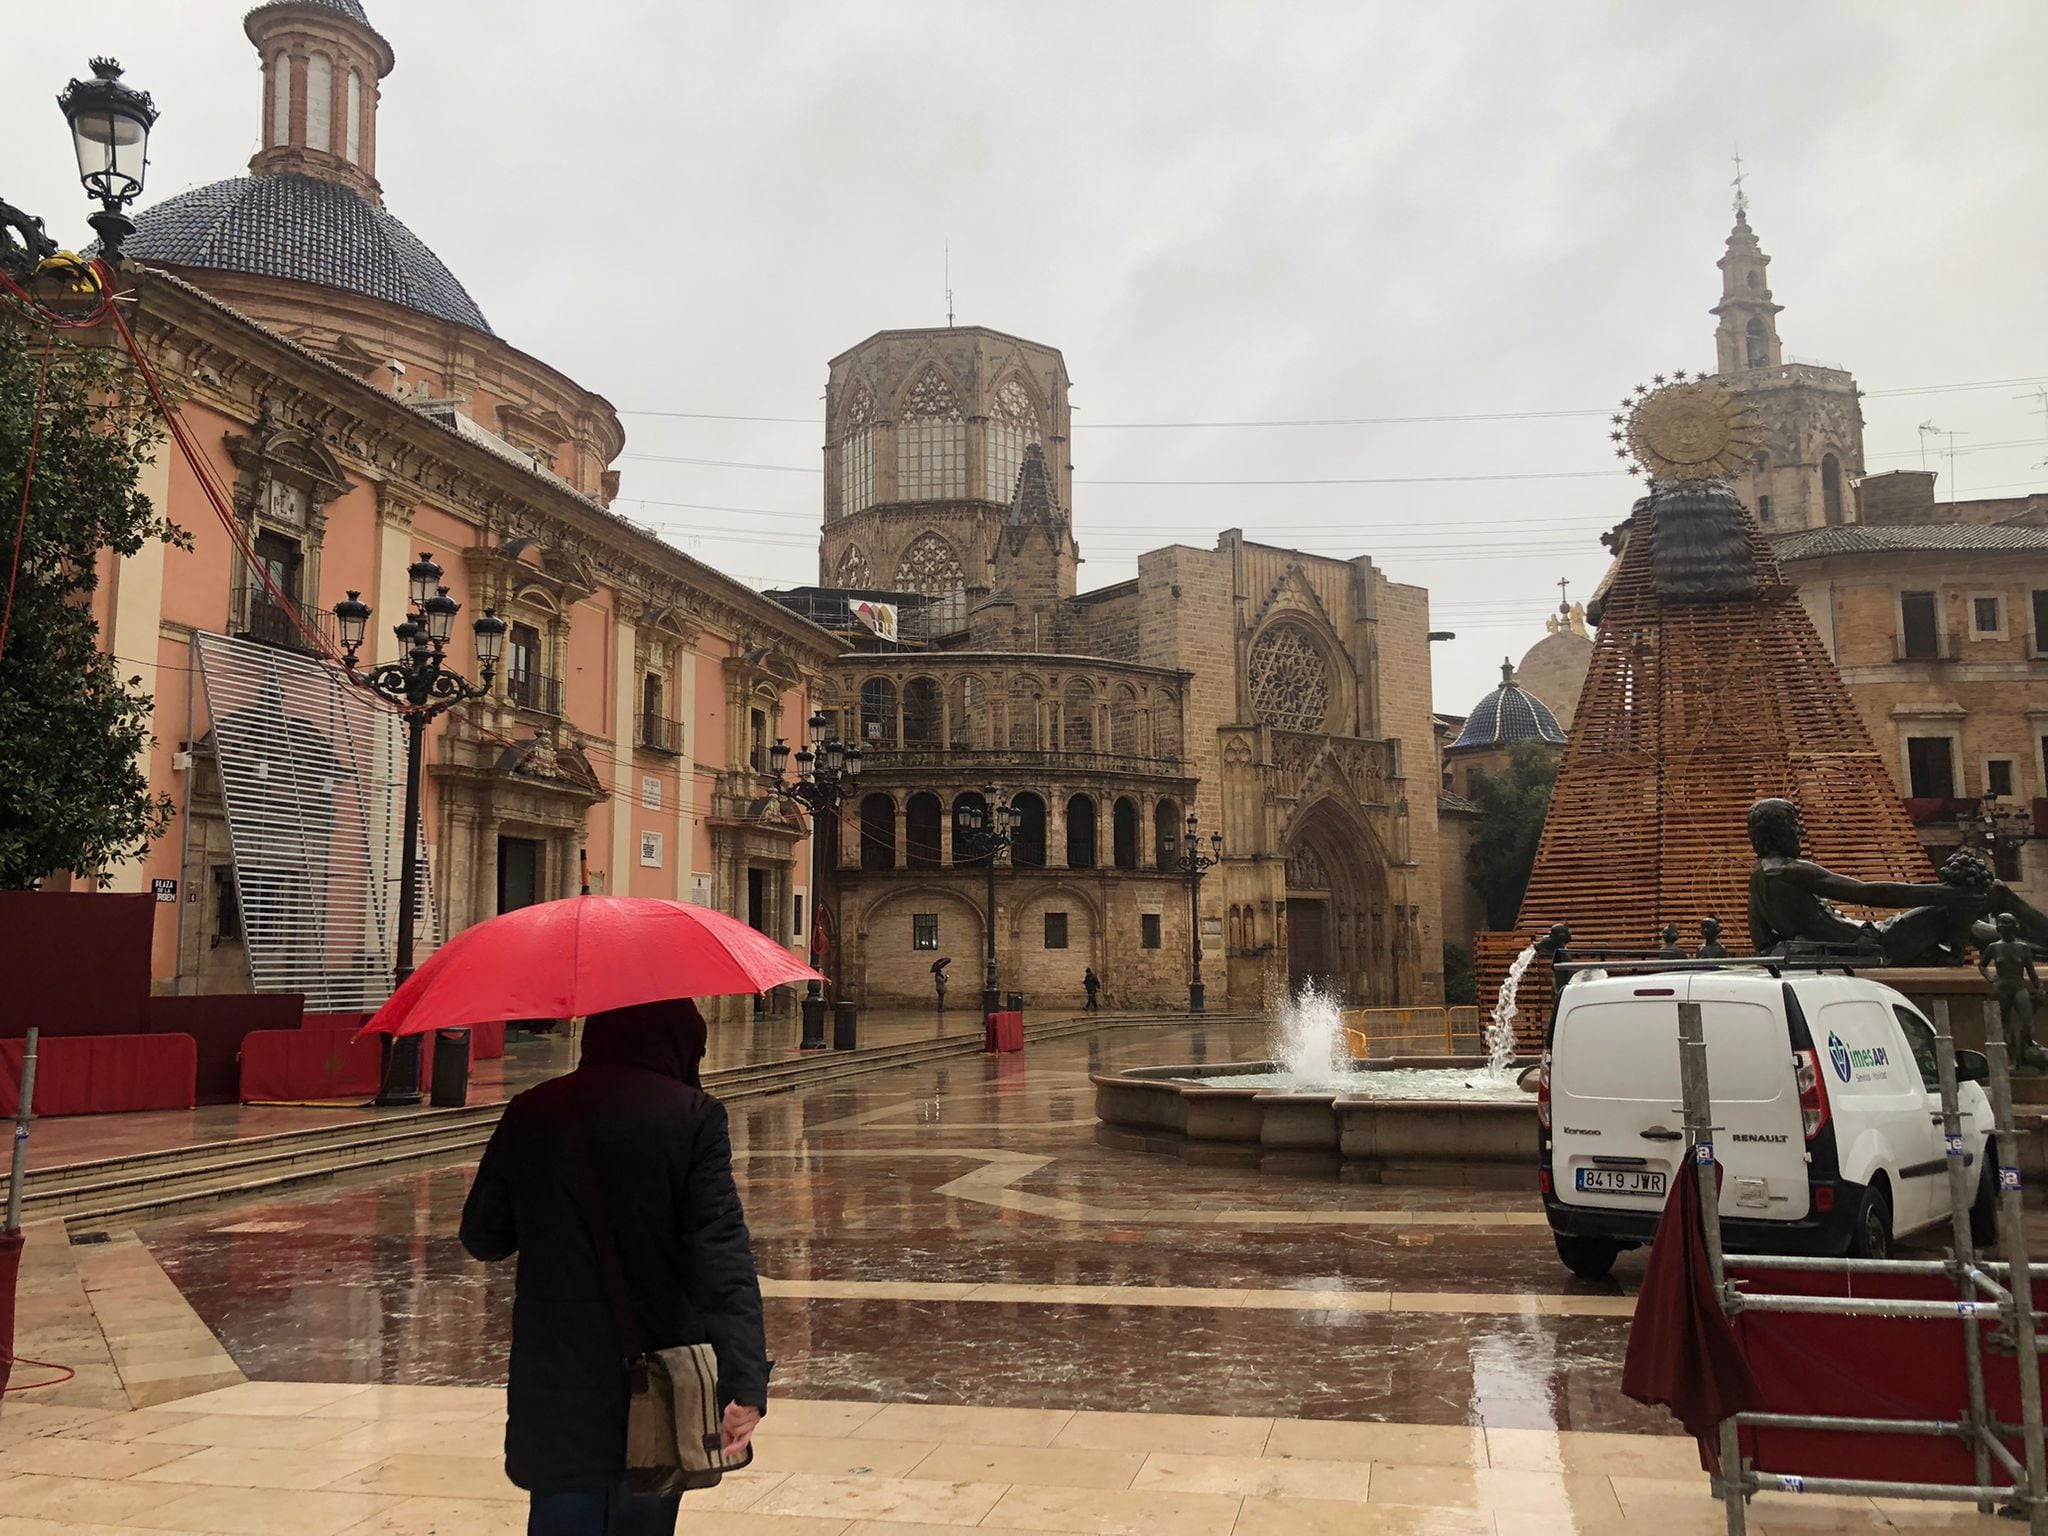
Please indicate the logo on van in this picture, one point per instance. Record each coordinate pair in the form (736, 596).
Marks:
(1847, 1061)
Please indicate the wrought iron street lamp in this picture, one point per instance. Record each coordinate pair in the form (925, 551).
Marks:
(2002, 829)
(1192, 865)
(421, 684)
(984, 832)
(110, 122)
(827, 771)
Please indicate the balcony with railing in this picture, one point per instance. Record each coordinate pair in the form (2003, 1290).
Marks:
(283, 624)
(980, 762)
(535, 691)
(658, 734)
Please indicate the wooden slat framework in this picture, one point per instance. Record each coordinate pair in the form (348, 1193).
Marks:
(1690, 713)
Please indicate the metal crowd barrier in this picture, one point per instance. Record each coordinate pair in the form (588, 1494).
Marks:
(1419, 1031)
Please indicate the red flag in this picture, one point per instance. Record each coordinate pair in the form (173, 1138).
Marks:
(821, 943)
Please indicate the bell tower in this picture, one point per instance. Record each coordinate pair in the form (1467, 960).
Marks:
(1810, 453)
(321, 63)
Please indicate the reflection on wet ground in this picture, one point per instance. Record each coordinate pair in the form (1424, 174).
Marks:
(981, 1172)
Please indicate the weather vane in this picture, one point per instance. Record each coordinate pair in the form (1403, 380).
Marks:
(1679, 429)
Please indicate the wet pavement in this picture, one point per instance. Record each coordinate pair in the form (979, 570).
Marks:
(953, 1234)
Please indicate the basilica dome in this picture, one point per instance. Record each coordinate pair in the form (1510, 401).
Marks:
(306, 229)
(1510, 713)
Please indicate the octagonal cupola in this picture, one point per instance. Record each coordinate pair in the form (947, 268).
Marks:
(321, 63)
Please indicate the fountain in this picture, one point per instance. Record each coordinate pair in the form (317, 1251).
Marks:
(1315, 1109)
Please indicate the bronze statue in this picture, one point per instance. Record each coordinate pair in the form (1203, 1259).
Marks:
(2016, 983)
(1790, 901)
(1671, 951)
(1711, 947)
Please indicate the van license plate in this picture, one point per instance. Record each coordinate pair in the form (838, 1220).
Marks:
(1621, 1181)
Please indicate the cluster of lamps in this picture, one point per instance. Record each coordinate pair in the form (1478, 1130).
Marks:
(827, 772)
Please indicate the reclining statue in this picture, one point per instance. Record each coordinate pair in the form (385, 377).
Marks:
(1791, 911)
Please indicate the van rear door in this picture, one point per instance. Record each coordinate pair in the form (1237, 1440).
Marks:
(1618, 1123)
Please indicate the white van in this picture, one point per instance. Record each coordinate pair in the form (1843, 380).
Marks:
(1824, 1091)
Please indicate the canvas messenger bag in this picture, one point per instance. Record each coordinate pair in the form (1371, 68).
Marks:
(673, 1428)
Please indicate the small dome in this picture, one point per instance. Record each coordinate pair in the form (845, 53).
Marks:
(307, 230)
(1507, 715)
(349, 8)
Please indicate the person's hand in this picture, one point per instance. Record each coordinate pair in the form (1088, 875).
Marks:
(738, 1427)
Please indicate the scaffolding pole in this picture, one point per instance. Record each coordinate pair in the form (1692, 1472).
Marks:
(1979, 1296)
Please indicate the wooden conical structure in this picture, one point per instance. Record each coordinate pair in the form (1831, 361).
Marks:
(1691, 712)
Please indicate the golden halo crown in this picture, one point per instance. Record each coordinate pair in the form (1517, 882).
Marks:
(1685, 430)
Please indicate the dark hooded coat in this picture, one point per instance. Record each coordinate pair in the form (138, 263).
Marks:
(663, 1159)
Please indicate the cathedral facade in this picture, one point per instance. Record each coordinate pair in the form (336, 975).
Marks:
(1268, 696)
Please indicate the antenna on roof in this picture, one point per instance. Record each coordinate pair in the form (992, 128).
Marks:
(1741, 196)
(949, 285)
(2039, 394)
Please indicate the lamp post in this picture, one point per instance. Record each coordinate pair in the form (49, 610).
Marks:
(827, 771)
(422, 686)
(110, 122)
(2003, 828)
(989, 829)
(1192, 865)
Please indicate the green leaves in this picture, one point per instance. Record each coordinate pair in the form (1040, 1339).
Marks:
(1515, 801)
(73, 796)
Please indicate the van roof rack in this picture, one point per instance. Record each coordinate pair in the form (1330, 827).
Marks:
(1777, 965)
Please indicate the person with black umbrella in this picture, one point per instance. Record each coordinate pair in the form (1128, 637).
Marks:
(630, 1132)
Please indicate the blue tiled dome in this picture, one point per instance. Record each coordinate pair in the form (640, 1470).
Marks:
(307, 230)
(1507, 715)
(349, 8)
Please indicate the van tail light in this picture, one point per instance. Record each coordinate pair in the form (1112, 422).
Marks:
(1543, 1180)
(1823, 1198)
(1543, 1091)
(1813, 1094)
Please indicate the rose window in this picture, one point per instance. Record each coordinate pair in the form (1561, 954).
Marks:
(1290, 679)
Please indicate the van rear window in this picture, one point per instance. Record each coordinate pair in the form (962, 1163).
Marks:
(1628, 1049)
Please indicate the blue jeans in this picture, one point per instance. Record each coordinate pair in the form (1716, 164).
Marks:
(603, 1512)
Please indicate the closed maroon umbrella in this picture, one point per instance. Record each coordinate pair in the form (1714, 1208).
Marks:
(583, 955)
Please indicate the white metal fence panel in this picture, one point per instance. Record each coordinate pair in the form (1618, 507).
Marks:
(312, 772)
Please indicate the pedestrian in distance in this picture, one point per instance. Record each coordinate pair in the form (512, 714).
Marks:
(1092, 983)
(939, 979)
(631, 1128)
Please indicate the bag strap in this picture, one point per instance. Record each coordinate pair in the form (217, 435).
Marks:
(597, 1217)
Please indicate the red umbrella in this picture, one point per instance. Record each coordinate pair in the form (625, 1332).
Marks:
(584, 955)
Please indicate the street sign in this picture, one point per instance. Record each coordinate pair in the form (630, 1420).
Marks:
(164, 890)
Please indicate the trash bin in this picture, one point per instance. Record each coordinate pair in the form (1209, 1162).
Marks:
(845, 1026)
(450, 1087)
(1014, 1002)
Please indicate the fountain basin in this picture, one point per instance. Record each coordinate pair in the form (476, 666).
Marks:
(1347, 1132)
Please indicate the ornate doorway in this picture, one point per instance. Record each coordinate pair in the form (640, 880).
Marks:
(1308, 942)
(1338, 921)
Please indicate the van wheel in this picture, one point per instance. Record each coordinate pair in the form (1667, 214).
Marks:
(1590, 1258)
(1870, 1235)
(1984, 1210)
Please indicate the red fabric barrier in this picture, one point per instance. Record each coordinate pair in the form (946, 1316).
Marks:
(1873, 1367)
(104, 1074)
(290, 1065)
(218, 1023)
(486, 1041)
(76, 962)
(1003, 1032)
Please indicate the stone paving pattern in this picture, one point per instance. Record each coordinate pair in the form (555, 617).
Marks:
(983, 1319)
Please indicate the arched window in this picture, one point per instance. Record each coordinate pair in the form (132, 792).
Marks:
(1023, 715)
(852, 571)
(352, 130)
(857, 452)
(281, 99)
(878, 713)
(319, 103)
(1028, 849)
(1012, 425)
(921, 712)
(967, 704)
(1237, 930)
(967, 806)
(1124, 715)
(931, 442)
(1124, 833)
(929, 566)
(1166, 834)
(1081, 832)
(1754, 280)
(877, 832)
(1831, 488)
(650, 695)
(1290, 678)
(1077, 725)
(1759, 344)
(1166, 724)
(921, 830)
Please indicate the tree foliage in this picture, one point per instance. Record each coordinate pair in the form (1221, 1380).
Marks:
(1461, 976)
(1515, 801)
(73, 796)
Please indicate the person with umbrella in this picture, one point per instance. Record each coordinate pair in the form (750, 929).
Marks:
(612, 1185)
(939, 979)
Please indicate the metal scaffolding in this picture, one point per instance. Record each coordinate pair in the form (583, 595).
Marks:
(1986, 1293)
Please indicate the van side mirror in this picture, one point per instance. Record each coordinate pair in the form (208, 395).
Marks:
(1973, 1067)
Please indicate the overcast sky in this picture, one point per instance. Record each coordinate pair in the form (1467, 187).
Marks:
(1248, 212)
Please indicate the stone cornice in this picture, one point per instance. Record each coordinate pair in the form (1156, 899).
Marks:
(230, 362)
